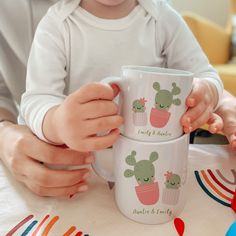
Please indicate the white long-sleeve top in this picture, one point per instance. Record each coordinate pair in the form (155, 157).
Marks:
(73, 47)
(18, 20)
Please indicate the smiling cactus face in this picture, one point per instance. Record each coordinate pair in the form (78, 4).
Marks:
(164, 98)
(144, 170)
(173, 181)
(139, 105)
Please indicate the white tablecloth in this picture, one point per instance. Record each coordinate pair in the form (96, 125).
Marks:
(95, 213)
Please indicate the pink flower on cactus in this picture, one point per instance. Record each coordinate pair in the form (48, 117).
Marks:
(142, 101)
(168, 175)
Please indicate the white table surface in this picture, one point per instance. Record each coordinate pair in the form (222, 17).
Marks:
(95, 213)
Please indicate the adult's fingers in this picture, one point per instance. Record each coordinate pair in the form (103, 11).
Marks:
(51, 154)
(92, 91)
(46, 177)
(56, 191)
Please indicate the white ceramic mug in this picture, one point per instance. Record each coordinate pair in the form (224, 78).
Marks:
(150, 178)
(152, 101)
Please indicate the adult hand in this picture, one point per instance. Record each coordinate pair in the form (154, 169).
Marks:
(23, 154)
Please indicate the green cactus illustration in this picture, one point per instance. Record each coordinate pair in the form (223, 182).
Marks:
(173, 181)
(164, 98)
(139, 105)
(144, 170)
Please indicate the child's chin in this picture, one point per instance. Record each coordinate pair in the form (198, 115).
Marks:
(110, 2)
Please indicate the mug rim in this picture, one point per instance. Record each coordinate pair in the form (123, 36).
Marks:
(142, 142)
(157, 70)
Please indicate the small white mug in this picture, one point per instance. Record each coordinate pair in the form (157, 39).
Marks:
(152, 101)
(150, 178)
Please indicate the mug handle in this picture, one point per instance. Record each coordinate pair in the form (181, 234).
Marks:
(102, 172)
(113, 80)
(97, 167)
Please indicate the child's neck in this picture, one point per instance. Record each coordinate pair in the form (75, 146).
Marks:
(108, 12)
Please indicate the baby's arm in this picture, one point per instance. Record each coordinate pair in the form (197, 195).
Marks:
(74, 120)
(46, 73)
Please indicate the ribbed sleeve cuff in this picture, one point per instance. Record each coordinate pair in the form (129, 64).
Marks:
(36, 122)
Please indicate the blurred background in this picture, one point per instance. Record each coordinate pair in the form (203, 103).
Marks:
(214, 10)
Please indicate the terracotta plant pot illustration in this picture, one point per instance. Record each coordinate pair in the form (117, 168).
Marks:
(140, 119)
(170, 196)
(159, 118)
(148, 194)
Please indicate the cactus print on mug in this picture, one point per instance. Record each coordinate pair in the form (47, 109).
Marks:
(163, 101)
(139, 112)
(171, 192)
(147, 189)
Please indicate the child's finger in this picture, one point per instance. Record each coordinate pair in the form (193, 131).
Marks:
(98, 108)
(232, 141)
(215, 123)
(94, 143)
(92, 91)
(192, 114)
(116, 89)
(195, 96)
(230, 133)
(190, 102)
(103, 124)
(198, 122)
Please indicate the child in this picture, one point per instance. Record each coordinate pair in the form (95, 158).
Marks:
(78, 43)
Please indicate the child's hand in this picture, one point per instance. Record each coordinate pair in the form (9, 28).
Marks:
(200, 103)
(227, 111)
(85, 113)
(215, 123)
